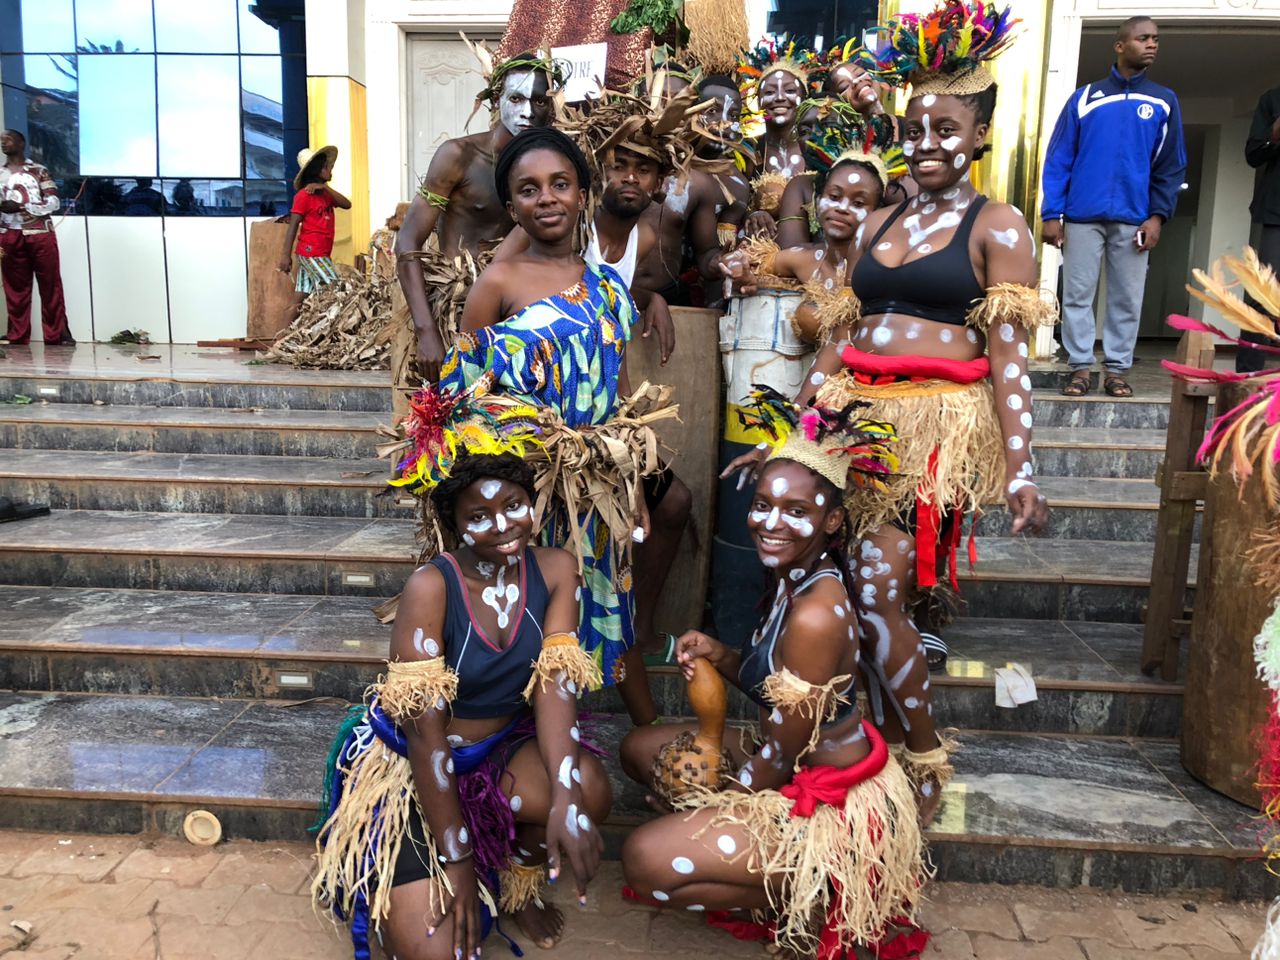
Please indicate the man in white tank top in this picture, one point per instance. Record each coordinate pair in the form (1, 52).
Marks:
(618, 238)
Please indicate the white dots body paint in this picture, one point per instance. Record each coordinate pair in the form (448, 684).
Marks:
(660, 896)
(1015, 443)
(469, 540)
(575, 734)
(490, 488)
(1006, 238)
(770, 561)
(682, 865)
(463, 836)
(913, 332)
(926, 789)
(945, 335)
(517, 512)
(744, 777)
(516, 804)
(1025, 419)
(577, 775)
(881, 336)
(1025, 469)
(776, 716)
(779, 487)
(1023, 351)
(501, 521)
(438, 769)
(908, 148)
(1025, 382)
(566, 770)
(820, 499)
(480, 526)
(584, 822)
(839, 611)
(1014, 402)
(885, 246)
(1005, 331)
(727, 844)
(766, 752)
(695, 907)
(949, 143)
(1017, 484)
(928, 100)
(817, 378)
(796, 574)
(971, 335)
(571, 820)
(959, 161)
(502, 596)
(929, 208)
(1011, 371)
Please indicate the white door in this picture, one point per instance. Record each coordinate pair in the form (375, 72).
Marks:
(444, 78)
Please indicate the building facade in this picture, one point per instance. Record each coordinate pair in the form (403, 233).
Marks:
(172, 126)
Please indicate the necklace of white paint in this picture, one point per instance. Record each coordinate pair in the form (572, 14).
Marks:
(502, 596)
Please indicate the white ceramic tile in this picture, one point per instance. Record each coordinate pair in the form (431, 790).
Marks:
(207, 290)
(126, 257)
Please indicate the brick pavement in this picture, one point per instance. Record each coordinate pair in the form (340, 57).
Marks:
(121, 898)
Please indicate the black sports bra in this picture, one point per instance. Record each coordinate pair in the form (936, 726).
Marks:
(939, 286)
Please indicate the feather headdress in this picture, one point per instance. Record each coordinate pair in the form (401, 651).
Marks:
(944, 51)
(836, 444)
(1247, 437)
(843, 134)
(770, 56)
(442, 426)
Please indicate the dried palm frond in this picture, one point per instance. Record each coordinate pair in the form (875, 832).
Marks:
(344, 325)
(1253, 276)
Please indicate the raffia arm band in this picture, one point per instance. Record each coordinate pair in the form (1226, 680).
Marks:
(1015, 304)
(434, 199)
(561, 654)
(727, 234)
(816, 702)
(933, 766)
(518, 886)
(411, 687)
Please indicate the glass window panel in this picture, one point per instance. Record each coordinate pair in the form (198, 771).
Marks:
(117, 114)
(263, 117)
(141, 197)
(267, 198)
(104, 196)
(40, 100)
(199, 116)
(186, 197)
(205, 27)
(72, 190)
(256, 35)
(47, 27)
(114, 26)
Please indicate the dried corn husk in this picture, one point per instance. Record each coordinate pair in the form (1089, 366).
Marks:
(345, 325)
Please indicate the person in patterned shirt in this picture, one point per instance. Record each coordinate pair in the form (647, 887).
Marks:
(28, 199)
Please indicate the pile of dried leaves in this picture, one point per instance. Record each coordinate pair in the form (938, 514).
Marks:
(345, 325)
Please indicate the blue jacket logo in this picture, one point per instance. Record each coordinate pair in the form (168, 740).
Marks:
(1146, 111)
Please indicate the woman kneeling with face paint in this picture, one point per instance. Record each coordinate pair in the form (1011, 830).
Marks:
(818, 825)
(466, 777)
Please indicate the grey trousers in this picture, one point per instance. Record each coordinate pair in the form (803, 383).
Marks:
(1083, 250)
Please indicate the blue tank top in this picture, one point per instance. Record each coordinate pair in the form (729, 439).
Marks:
(756, 663)
(491, 679)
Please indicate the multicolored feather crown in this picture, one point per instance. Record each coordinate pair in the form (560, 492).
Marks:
(944, 52)
(835, 444)
(842, 134)
(442, 426)
(769, 56)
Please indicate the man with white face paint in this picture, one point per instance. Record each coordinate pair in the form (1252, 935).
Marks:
(457, 209)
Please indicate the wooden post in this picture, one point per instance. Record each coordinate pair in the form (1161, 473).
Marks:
(1181, 485)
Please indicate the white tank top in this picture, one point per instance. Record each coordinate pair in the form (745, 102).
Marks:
(626, 267)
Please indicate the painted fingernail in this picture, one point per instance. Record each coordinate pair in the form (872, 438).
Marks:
(457, 953)
(582, 900)
(552, 874)
(431, 931)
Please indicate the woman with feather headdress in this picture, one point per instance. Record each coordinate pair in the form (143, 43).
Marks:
(947, 286)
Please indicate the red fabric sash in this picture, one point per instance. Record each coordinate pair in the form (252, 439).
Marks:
(916, 367)
(830, 785)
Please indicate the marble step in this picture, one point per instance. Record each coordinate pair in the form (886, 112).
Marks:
(1027, 809)
(151, 643)
(219, 483)
(1041, 579)
(1052, 409)
(204, 483)
(185, 376)
(251, 431)
(1059, 451)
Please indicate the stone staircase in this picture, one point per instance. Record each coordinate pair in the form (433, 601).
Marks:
(186, 628)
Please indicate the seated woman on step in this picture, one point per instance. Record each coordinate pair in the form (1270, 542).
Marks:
(818, 825)
(466, 778)
(550, 328)
(947, 286)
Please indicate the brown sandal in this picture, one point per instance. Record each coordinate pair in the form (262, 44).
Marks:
(1117, 386)
(1078, 384)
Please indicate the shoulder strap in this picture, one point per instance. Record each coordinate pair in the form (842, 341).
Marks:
(966, 225)
(888, 223)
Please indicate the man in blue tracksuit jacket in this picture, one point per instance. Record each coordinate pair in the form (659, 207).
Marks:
(1115, 164)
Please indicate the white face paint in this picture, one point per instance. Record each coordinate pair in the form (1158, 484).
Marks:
(928, 100)
(490, 488)
(796, 574)
(517, 512)
(949, 143)
(779, 487)
(770, 561)
(820, 499)
(926, 142)
(1006, 238)
(908, 149)
(502, 523)
(516, 108)
(959, 161)
(480, 526)
(469, 540)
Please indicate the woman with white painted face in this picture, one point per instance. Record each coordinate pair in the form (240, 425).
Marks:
(465, 781)
(778, 76)
(947, 285)
(818, 825)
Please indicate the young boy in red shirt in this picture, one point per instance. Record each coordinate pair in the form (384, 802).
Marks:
(311, 223)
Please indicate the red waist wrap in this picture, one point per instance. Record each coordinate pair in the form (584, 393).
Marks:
(875, 369)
